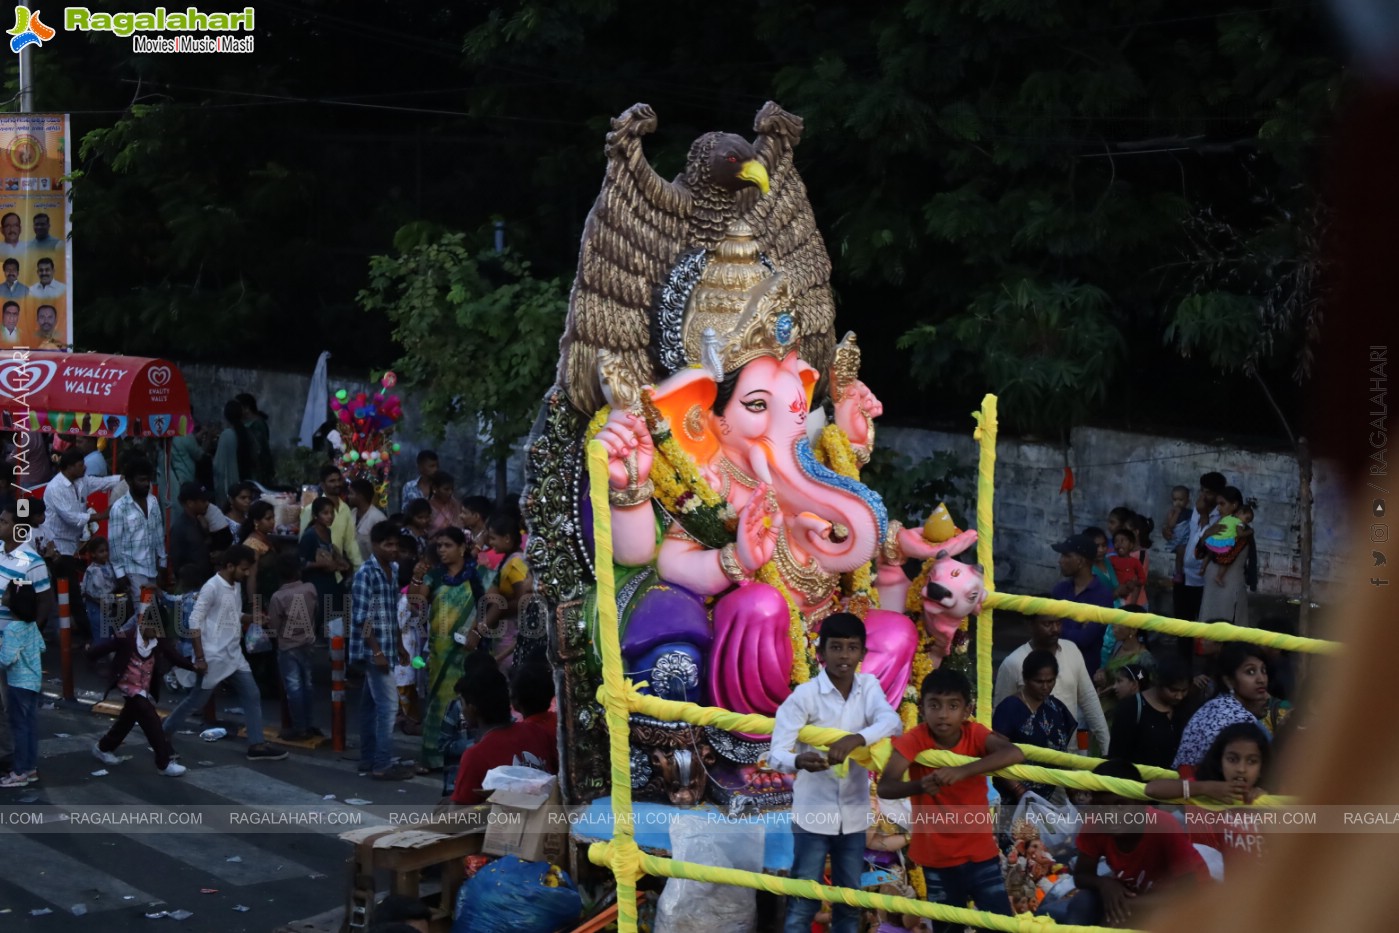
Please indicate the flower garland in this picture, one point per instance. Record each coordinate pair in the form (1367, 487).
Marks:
(909, 709)
(804, 664)
(833, 449)
(682, 490)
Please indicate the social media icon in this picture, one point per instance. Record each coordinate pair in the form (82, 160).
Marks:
(1377, 507)
(22, 508)
(1378, 558)
(1379, 533)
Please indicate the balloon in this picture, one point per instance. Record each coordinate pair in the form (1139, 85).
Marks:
(344, 415)
(390, 380)
(397, 447)
(342, 395)
(354, 455)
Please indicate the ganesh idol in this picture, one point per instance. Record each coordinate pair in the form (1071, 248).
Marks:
(771, 553)
(700, 352)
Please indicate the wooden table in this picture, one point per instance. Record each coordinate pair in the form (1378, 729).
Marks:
(404, 852)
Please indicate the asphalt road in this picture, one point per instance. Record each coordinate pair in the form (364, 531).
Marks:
(230, 875)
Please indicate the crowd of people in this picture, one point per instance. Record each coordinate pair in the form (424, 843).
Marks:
(1213, 713)
(1221, 746)
(429, 597)
(433, 593)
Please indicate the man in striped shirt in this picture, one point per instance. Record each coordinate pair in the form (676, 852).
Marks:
(136, 530)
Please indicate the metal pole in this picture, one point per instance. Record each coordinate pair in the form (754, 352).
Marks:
(26, 79)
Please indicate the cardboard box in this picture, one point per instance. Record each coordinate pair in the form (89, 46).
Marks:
(520, 825)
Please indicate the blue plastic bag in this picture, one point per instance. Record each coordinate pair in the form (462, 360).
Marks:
(510, 896)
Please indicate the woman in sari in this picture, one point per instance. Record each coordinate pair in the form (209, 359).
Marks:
(451, 588)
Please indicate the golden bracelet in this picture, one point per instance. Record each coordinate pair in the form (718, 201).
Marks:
(893, 551)
(632, 495)
(728, 562)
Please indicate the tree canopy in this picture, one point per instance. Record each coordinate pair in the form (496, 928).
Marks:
(1014, 192)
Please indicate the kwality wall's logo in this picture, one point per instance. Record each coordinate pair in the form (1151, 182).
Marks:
(188, 23)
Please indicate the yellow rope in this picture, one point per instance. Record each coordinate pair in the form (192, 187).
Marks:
(985, 435)
(619, 697)
(799, 887)
(625, 861)
(1214, 631)
(1073, 773)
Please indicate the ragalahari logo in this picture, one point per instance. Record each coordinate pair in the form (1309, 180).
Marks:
(29, 30)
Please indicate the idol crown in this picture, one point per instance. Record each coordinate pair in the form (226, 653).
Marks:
(737, 312)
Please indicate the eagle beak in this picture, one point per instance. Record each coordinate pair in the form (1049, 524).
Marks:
(753, 171)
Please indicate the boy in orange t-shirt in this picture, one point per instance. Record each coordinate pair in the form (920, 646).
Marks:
(952, 834)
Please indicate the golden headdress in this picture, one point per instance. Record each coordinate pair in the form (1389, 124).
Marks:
(739, 309)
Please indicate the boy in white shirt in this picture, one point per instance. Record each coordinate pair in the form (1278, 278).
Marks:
(831, 798)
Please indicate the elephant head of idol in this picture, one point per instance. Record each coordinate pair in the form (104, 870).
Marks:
(746, 412)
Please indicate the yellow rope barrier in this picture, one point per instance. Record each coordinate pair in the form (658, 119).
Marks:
(876, 756)
(985, 435)
(619, 698)
(799, 887)
(625, 856)
(1213, 631)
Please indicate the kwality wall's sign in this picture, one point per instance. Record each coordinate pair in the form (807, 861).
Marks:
(93, 393)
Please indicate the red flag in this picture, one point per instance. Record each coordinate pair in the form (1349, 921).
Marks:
(1068, 483)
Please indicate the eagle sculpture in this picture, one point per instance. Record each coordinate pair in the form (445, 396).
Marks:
(641, 226)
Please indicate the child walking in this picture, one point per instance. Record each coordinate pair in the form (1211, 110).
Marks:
(958, 851)
(217, 627)
(136, 649)
(831, 800)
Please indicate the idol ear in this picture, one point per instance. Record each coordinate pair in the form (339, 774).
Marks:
(685, 400)
(808, 374)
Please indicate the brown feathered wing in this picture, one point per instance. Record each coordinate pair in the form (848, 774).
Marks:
(786, 231)
(633, 235)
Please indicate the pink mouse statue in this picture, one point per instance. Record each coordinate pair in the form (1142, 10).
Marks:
(955, 590)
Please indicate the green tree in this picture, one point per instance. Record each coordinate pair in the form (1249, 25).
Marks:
(1049, 351)
(479, 334)
(952, 151)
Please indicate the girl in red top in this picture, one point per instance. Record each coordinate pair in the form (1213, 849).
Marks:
(1231, 772)
(1130, 572)
(952, 835)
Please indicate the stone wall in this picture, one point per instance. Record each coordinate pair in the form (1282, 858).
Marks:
(1113, 468)
(282, 396)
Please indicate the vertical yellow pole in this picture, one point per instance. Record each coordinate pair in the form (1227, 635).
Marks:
(985, 502)
(626, 857)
